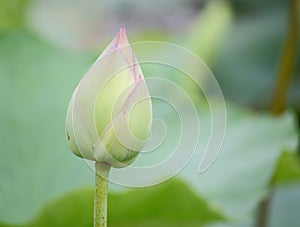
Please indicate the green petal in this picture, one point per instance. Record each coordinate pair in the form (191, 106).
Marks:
(109, 148)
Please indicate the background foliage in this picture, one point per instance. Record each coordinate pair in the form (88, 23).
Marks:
(47, 46)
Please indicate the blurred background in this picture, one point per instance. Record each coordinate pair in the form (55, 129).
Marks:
(252, 48)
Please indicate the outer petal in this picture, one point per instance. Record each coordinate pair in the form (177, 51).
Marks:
(111, 61)
(117, 87)
(111, 98)
(127, 133)
(69, 129)
(108, 148)
(80, 138)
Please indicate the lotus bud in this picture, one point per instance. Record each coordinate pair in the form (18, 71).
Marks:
(109, 115)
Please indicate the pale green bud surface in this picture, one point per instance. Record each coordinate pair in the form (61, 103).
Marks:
(110, 112)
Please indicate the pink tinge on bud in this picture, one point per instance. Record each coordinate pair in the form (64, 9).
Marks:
(119, 41)
(121, 38)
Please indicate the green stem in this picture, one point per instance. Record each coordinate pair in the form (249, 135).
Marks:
(278, 103)
(263, 214)
(298, 126)
(287, 61)
(100, 199)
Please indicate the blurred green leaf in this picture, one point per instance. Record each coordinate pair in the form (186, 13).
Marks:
(240, 176)
(288, 168)
(284, 210)
(208, 30)
(169, 204)
(36, 82)
(74, 209)
(12, 13)
(247, 62)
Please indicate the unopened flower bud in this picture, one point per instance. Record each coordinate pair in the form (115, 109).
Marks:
(109, 115)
